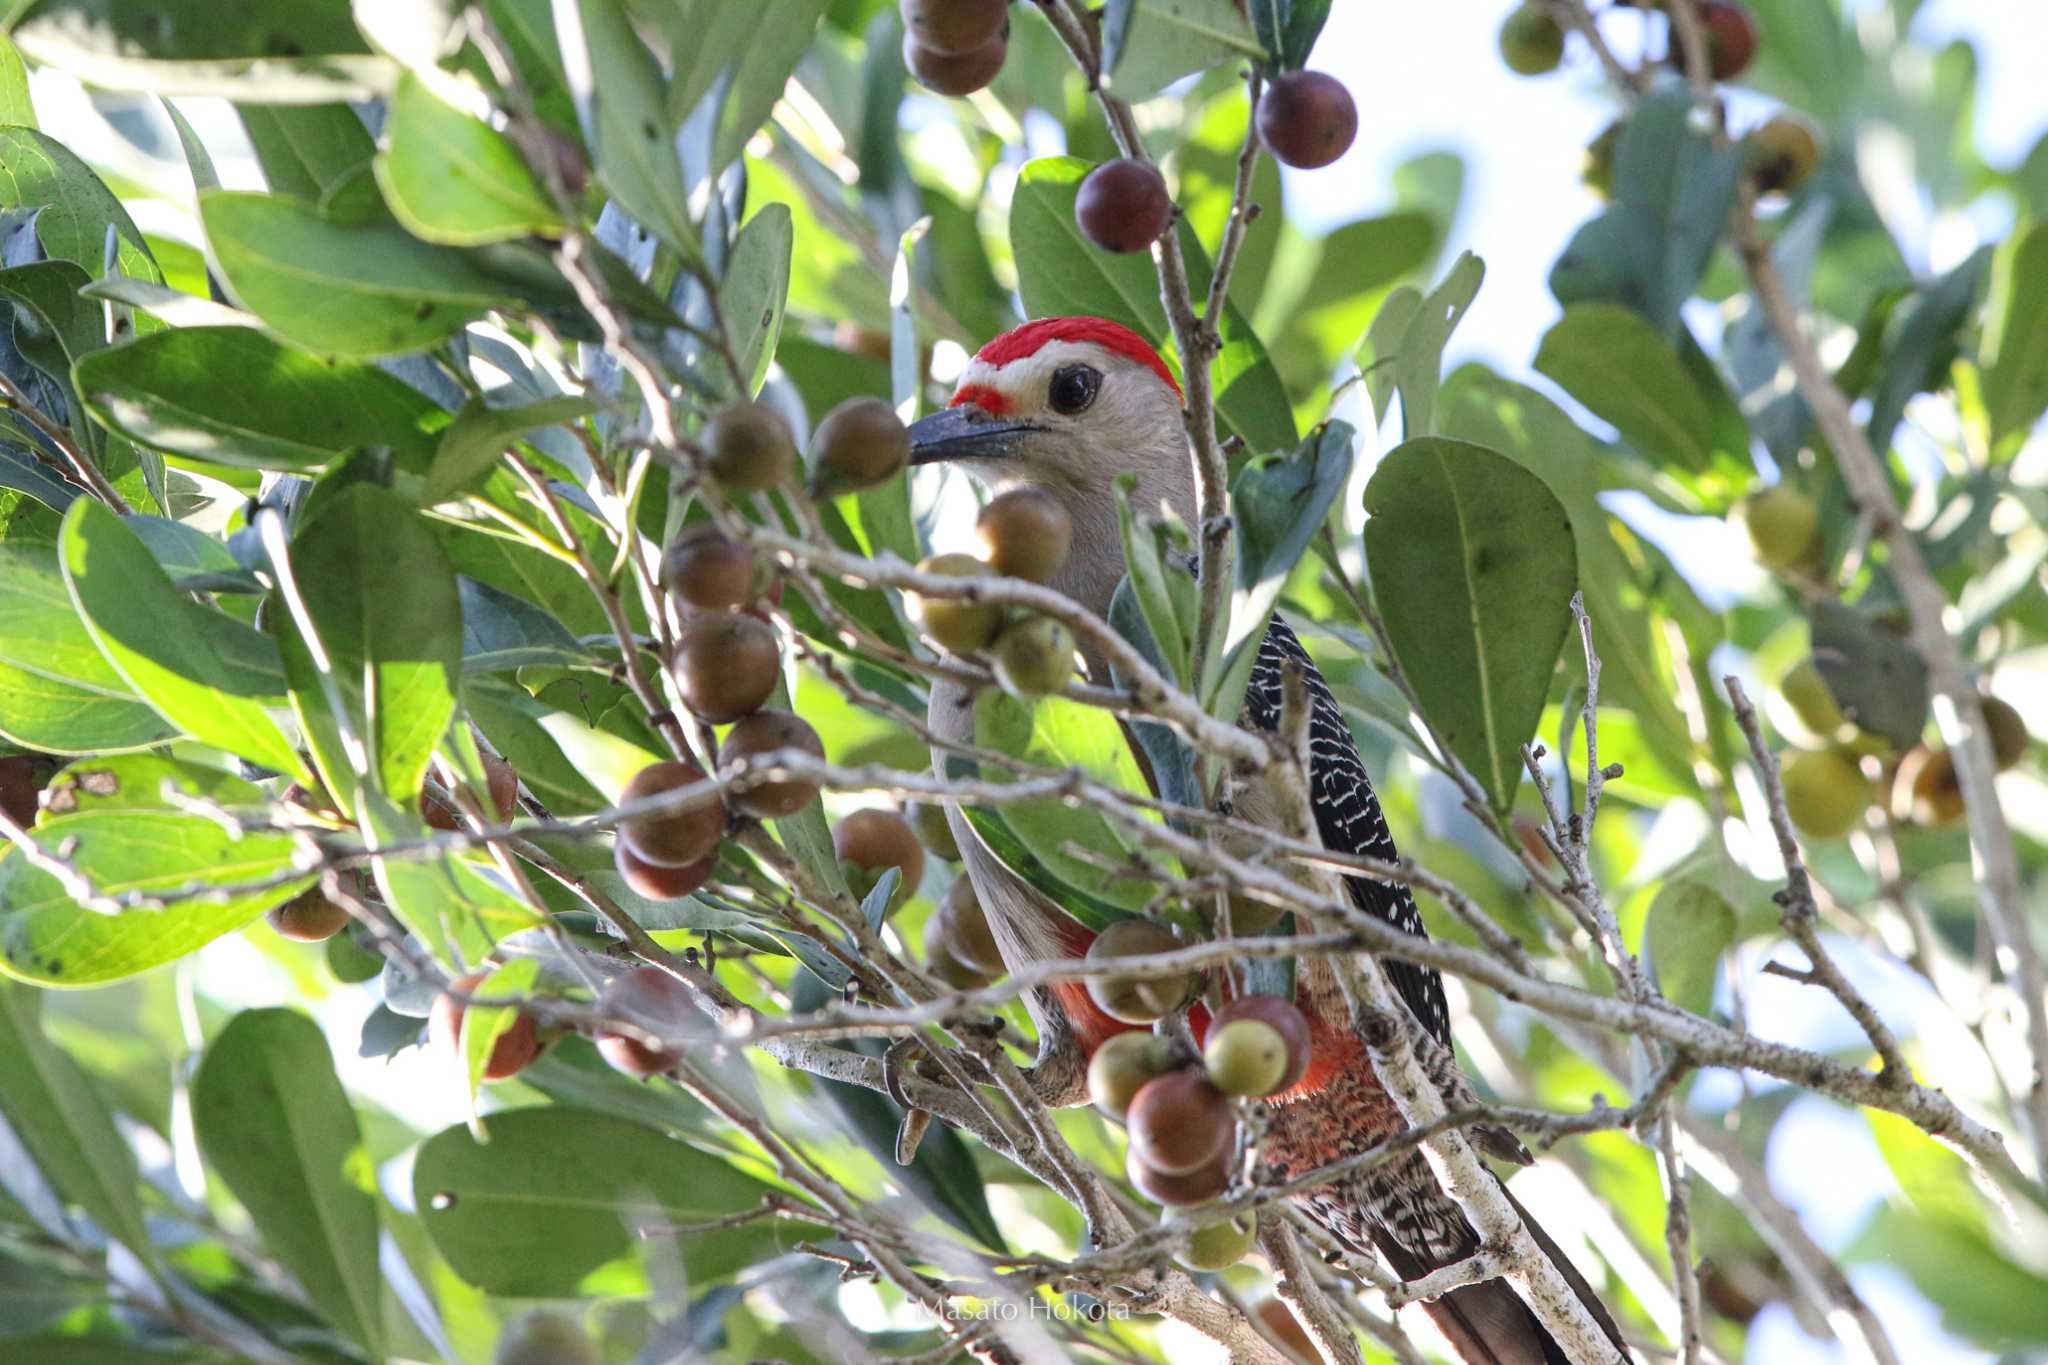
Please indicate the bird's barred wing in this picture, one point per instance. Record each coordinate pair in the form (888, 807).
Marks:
(1348, 814)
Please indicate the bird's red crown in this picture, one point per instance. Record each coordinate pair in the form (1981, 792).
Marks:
(1021, 342)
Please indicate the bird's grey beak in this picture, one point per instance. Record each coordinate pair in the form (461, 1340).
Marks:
(966, 433)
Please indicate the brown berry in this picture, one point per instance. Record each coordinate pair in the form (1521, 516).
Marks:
(1025, 533)
(766, 732)
(957, 74)
(2009, 736)
(653, 882)
(726, 665)
(1927, 789)
(707, 570)
(939, 958)
(1134, 1000)
(859, 444)
(652, 999)
(1783, 154)
(1123, 205)
(503, 783)
(1307, 119)
(1125, 1064)
(515, 1048)
(1731, 38)
(1281, 1324)
(1034, 657)
(749, 447)
(963, 928)
(932, 826)
(18, 789)
(953, 26)
(674, 838)
(1531, 41)
(955, 623)
(870, 842)
(1178, 1191)
(308, 917)
(1291, 1024)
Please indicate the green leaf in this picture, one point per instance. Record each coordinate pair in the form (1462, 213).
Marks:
(1404, 347)
(383, 602)
(1288, 28)
(618, 93)
(286, 410)
(366, 290)
(507, 716)
(58, 693)
(38, 172)
(1154, 585)
(173, 306)
(484, 1025)
(202, 670)
(1925, 336)
(759, 71)
(1983, 1294)
(273, 1120)
(1473, 569)
(1061, 734)
(500, 631)
(123, 782)
(15, 106)
(52, 324)
(457, 911)
(48, 939)
(1060, 272)
(1161, 41)
(480, 435)
(755, 290)
(532, 1214)
(450, 178)
(2016, 375)
(1876, 676)
(233, 49)
(1279, 503)
(1673, 189)
(1690, 926)
(62, 1121)
(1174, 769)
(306, 151)
(1617, 364)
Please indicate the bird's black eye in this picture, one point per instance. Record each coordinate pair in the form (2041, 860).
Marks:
(1073, 388)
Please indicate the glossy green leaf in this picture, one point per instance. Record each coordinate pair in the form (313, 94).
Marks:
(286, 410)
(238, 49)
(197, 159)
(1288, 28)
(48, 939)
(366, 290)
(58, 693)
(1473, 570)
(52, 324)
(1156, 586)
(1690, 926)
(457, 911)
(755, 290)
(201, 669)
(484, 1025)
(1933, 1176)
(532, 1214)
(57, 1115)
(306, 150)
(2016, 375)
(173, 306)
(382, 600)
(1617, 364)
(508, 716)
(15, 106)
(451, 178)
(757, 72)
(480, 435)
(1156, 42)
(119, 782)
(1404, 347)
(1983, 1293)
(618, 90)
(38, 172)
(500, 631)
(1060, 272)
(1057, 733)
(273, 1120)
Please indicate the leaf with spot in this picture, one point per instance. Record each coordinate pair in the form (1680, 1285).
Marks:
(274, 1121)
(123, 782)
(49, 939)
(755, 290)
(617, 88)
(1473, 568)
(58, 693)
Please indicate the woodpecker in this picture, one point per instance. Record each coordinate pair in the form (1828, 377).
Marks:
(1068, 405)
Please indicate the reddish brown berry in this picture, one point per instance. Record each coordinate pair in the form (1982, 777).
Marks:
(308, 917)
(1179, 1122)
(1285, 1328)
(1136, 1000)
(1731, 37)
(516, 1046)
(1178, 1191)
(1307, 119)
(953, 26)
(963, 928)
(870, 842)
(766, 732)
(651, 999)
(1291, 1024)
(749, 447)
(18, 788)
(859, 444)
(707, 570)
(941, 962)
(676, 838)
(960, 73)
(502, 780)
(1025, 533)
(1123, 205)
(726, 665)
(657, 883)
